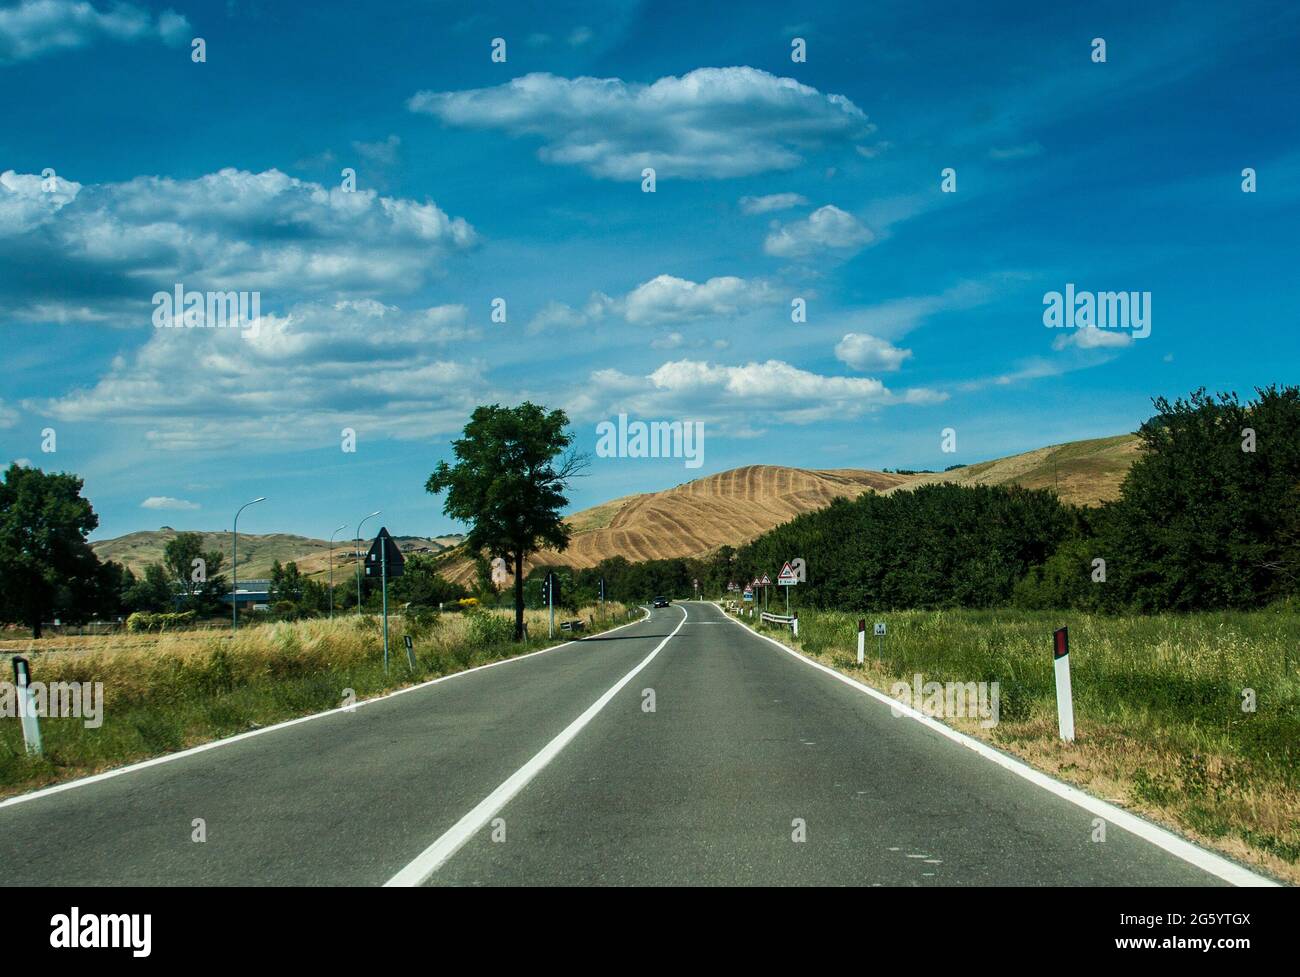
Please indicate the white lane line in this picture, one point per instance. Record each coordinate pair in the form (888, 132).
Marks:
(204, 747)
(433, 857)
(1207, 861)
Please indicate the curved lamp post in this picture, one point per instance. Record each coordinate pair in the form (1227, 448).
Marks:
(234, 566)
(357, 548)
(344, 526)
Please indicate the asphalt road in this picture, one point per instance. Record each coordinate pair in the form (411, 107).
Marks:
(550, 770)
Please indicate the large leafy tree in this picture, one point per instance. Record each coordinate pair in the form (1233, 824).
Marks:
(512, 468)
(201, 583)
(44, 523)
(1207, 513)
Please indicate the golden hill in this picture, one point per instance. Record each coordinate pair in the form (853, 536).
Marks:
(731, 507)
(735, 506)
(1081, 472)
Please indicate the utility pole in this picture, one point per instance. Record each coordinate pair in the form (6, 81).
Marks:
(234, 566)
(383, 584)
(356, 547)
(332, 535)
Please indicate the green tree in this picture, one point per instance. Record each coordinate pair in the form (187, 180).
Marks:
(197, 572)
(44, 523)
(512, 468)
(1205, 515)
(286, 582)
(152, 592)
(421, 586)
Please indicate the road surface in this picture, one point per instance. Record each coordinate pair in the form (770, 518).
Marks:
(550, 770)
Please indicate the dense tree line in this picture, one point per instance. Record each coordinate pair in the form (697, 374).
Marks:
(1207, 517)
(937, 546)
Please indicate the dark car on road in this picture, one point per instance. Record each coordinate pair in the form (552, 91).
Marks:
(662, 602)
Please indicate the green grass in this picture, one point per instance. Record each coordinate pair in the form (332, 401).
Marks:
(1158, 706)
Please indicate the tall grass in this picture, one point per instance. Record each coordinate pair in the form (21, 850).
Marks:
(167, 692)
(1158, 706)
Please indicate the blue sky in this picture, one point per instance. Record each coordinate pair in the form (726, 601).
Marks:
(522, 180)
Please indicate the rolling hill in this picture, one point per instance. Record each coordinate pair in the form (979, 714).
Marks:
(697, 517)
(733, 507)
(694, 518)
(256, 553)
(1081, 472)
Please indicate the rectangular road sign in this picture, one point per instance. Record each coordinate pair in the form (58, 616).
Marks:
(880, 628)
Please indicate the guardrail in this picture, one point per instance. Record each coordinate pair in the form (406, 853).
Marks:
(790, 620)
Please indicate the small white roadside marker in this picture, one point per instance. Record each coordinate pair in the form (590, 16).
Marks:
(1064, 695)
(27, 706)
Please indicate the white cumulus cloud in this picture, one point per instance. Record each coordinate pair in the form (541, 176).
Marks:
(167, 502)
(710, 123)
(88, 252)
(303, 376)
(771, 202)
(37, 27)
(826, 229)
(866, 352)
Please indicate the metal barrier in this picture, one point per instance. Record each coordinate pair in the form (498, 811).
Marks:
(790, 620)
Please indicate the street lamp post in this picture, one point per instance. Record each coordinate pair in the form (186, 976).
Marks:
(357, 549)
(234, 565)
(332, 535)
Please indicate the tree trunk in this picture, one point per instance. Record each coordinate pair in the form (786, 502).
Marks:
(519, 595)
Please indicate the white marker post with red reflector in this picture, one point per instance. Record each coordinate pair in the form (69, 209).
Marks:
(27, 706)
(862, 639)
(1064, 695)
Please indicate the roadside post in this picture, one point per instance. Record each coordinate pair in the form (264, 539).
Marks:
(879, 630)
(862, 639)
(1064, 694)
(549, 585)
(794, 625)
(27, 706)
(602, 596)
(410, 651)
(387, 559)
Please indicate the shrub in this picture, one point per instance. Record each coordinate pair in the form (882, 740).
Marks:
(145, 621)
(487, 630)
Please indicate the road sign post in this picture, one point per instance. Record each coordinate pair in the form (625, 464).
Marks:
(787, 578)
(27, 706)
(879, 631)
(387, 558)
(410, 651)
(1064, 694)
(383, 586)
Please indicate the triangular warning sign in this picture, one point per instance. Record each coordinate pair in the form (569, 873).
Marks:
(384, 548)
(786, 577)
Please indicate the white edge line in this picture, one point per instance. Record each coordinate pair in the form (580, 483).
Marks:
(1216, 865)
(203, 747)
(450, 841)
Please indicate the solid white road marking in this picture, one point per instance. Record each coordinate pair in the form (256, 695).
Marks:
(433, 857)
(143, 764)
(1207, 861)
